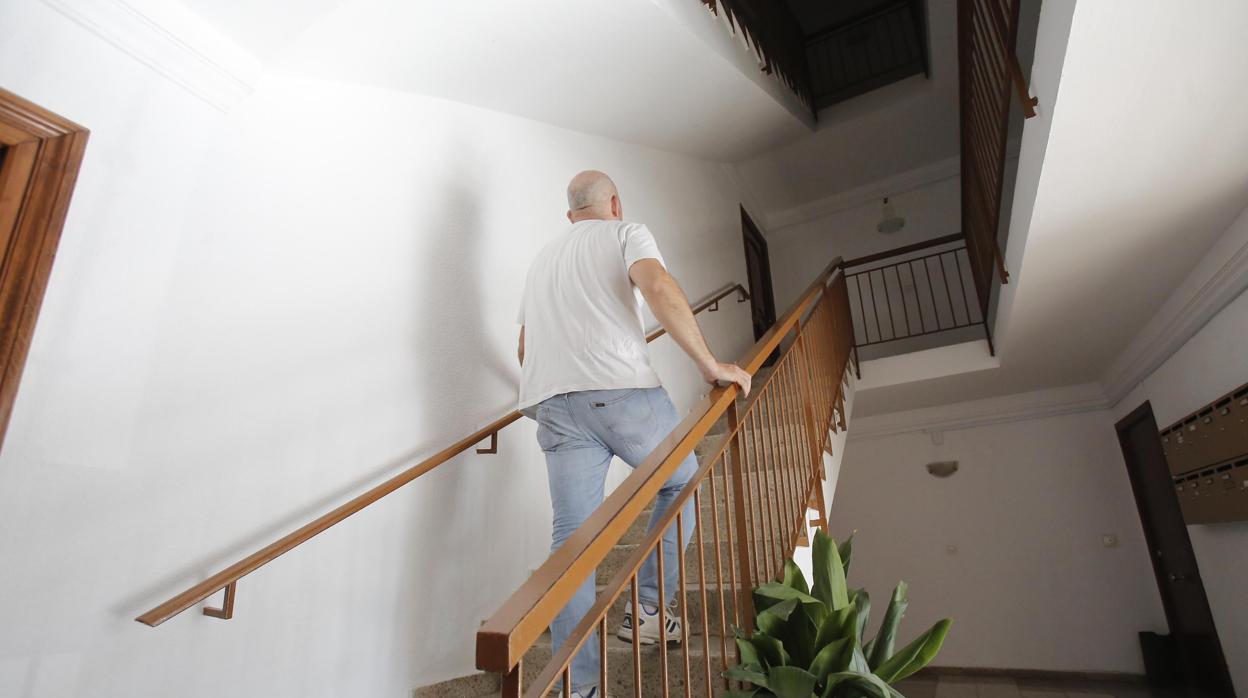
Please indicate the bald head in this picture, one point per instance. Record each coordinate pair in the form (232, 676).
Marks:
(592, 195)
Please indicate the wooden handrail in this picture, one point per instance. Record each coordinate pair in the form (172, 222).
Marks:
(227, 578)
(505, 637)
(904, 249)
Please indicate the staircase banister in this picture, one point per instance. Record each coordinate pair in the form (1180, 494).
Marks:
(230, 575)
(505, 637)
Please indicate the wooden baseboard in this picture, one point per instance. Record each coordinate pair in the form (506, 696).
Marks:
(1035, 674)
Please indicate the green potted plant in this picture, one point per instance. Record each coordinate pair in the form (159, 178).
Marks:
(809, 642)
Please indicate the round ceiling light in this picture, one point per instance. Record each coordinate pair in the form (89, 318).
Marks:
(890, 222)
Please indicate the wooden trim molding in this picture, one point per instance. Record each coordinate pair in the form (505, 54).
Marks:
(43, 154)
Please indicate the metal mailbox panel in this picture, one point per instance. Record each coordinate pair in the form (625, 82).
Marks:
(1207, 452)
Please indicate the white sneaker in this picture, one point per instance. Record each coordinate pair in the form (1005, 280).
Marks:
(648, 629)
(593, 693)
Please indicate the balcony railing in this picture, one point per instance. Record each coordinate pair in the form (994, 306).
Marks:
(915, 291)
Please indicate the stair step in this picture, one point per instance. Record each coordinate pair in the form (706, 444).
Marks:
(620, 667)
(616, 559)
(471, 686)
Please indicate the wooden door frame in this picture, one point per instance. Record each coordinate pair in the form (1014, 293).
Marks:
(44, 153)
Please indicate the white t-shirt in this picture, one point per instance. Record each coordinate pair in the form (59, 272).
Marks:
(582, 315)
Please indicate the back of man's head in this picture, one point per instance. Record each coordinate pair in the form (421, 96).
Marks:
(592, 195)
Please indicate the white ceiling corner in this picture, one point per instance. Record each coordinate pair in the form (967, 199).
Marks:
(171, 41)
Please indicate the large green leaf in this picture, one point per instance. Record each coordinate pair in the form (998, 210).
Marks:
(846, 551)
(882, 645)
(770, 649)
(773, 620)
(793, 577)
(829, 573)
(862, 601)
(915, 655)
(867, 684)
(857, 662)
(791, 682)
(750, 656)
(834, 657)
(773, 593)
(837, 625)
(738, 673)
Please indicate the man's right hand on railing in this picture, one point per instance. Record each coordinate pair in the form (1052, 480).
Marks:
(671, 308)
(719, 374)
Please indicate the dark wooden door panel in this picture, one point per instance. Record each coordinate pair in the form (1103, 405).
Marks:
(1170, 549)
(758, 276)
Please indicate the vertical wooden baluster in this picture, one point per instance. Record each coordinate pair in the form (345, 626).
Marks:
(752, 528)
(795, 449)
(771, 482)
(719, 540)
(781, 486)
(813, 417)
(759, 500)
(602, 654)
(743, 606)
(636, 640)
(815, 430)
(662, 615)
(511, 681)
(684, 601)
(798, 434)
(567, 681)
(706, 624)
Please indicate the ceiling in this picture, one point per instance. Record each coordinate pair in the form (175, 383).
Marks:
(1144, 169)
(630, 70)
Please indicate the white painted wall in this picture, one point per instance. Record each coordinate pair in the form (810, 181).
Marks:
(255, 314)
(931, 210)
(1209, 364)
(1030, 585)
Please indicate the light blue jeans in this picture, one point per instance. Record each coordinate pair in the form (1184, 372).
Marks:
(579, 433)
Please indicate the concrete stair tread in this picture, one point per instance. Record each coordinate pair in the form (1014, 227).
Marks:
(620, 665)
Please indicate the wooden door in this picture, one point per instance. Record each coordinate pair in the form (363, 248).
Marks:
(758, 277)
(1174, 562)
(39, 165)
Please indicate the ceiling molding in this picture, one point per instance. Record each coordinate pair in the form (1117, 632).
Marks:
(1075, 399)
(170, 46)
(1179, 320)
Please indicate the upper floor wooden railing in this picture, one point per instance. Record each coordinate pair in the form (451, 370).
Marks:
(988, 71)
(760, 477)
(227, 579)
(775, 34)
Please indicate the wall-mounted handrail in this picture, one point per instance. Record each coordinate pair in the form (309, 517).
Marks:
(711, 304)
(505, 637)
(227, 578)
